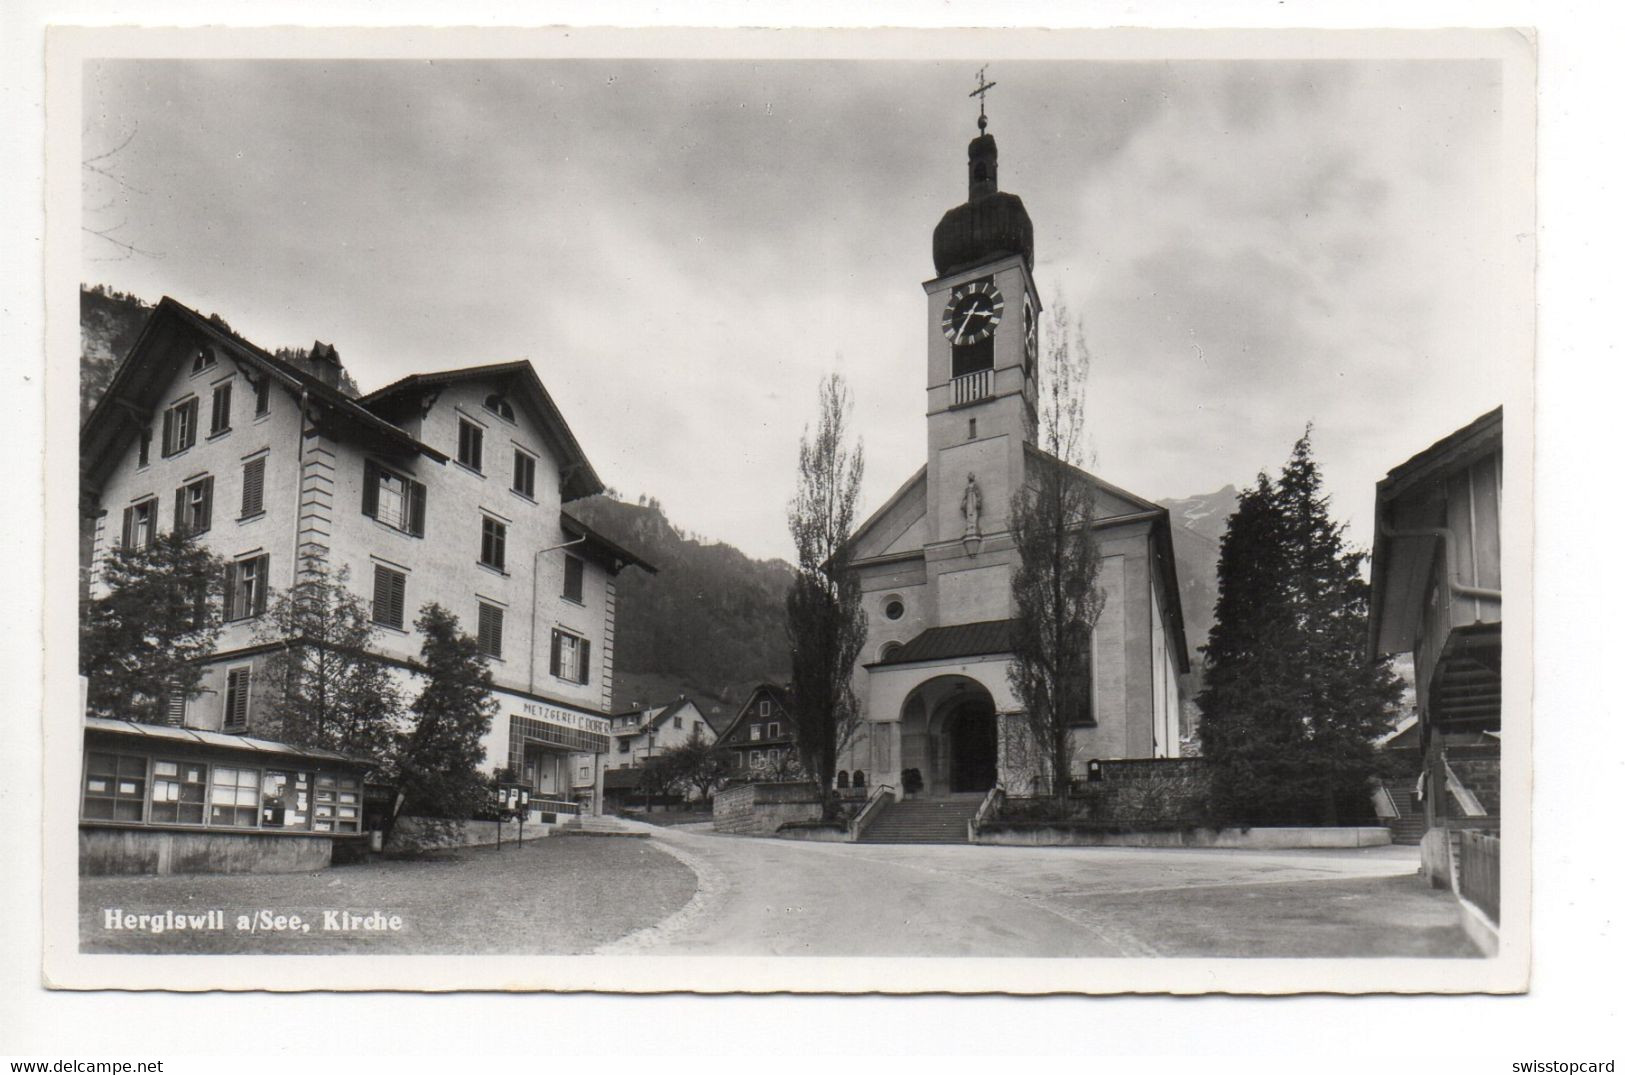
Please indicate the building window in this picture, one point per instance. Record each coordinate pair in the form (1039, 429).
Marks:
(143, 452)
(499, 405)
(584, 773)
(204, 359)
(773, 729)
(573, 573)
(392, 499)
(755, 731)
(220, 409)
(115, 786)
(246, 586)
(678, 722)
(470, 444)
(388, 597)
(524, 474)
(177, 792)
(180, 427)
(285, 800)
(894, 609)
(493, 543)
(842, 780)
(858, 779)
(766, 708)
(234, 797)
(253, 487)
(262, 395)
(338, 803)
(239, 682)
(140, 524)
(626, 746)
(889, 650)
(757, 760)
(194, 506)
(570, 655)
(490, 630)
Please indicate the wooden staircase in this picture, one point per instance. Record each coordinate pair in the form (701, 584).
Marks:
(922, 821)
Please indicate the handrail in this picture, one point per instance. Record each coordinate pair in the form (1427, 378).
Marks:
(854, 828)
(994, 793)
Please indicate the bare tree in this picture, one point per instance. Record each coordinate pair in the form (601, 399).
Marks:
(1057, 602)
(102, 164)
(825, 619)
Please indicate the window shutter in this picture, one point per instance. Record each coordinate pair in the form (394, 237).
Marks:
(180, 511)
(191, 424)
(176, 710)
(553, 663)
(208, 503)
(369, 489)
(222, 406)
(254, 487)
(400, 600)
(586, 660)
(169, 432)
(417, 497)
(380, 594)
(231, 591)
(129, 528)
(264, 584)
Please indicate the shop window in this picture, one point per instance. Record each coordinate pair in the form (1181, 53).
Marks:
(234, 797)
(338, 803)
(574, 571)
(115, 786)
(285, 800)
(177, 792)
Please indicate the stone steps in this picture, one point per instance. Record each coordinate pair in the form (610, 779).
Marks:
(922, 821)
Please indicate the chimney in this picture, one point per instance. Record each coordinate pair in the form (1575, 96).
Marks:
(325, 365)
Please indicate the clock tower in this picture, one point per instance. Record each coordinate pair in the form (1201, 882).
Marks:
(981, 359)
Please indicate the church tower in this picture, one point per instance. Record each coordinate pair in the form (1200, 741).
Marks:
(981, 357)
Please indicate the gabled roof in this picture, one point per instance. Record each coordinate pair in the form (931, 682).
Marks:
(881, 512)
(579, 478)
(778, 694)
(981, 639)
(1100, 484)
(612, 555)
(666, 712)
(137, 386)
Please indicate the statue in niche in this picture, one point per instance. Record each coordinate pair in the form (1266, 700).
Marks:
(970, 506)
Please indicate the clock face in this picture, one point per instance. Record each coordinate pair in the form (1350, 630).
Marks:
(973, 312)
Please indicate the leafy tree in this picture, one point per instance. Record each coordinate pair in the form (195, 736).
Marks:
(437, 761)
(1054, 588)
(660, 775)
(143, 638)
(825, 619)
(700, 763)
(329, 689)
(1290, 705)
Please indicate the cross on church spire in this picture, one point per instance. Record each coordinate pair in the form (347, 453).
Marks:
(980, 92)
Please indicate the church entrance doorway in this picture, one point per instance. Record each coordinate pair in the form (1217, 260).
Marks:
(973, 746)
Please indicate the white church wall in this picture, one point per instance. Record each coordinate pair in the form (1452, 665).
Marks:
(974, 594)
(988, 459)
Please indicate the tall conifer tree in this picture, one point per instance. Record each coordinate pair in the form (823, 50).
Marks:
(1291, 705)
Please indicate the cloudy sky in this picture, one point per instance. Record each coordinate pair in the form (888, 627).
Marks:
(684, 247)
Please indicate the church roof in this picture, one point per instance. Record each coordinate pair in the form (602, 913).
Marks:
(958, 640)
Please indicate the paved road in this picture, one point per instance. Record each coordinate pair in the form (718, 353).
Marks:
(782, 897)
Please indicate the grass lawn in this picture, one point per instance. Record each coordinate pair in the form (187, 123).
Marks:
(550, 896)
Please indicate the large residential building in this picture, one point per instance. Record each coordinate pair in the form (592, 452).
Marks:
(447, 487)
(936, 561)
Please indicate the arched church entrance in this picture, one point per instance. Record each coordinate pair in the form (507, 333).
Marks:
(950, 737)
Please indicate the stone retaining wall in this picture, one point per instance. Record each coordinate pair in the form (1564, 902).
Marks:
(421, 834)
(759, 809)
(1256, 839)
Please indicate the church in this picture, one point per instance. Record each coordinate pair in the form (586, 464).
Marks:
(936, 561)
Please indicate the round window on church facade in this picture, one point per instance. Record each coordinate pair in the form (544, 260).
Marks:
(894, 609)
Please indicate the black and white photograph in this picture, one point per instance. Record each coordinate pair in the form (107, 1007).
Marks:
(851, 511)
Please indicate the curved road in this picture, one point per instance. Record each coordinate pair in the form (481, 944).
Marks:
(763, 896)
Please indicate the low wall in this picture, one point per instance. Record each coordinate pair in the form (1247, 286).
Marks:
(1256, 839)
(759, 809)
(106, 851)
(422, 834)
(825, 834)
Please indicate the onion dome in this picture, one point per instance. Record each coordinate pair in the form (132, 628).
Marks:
(990, 225)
